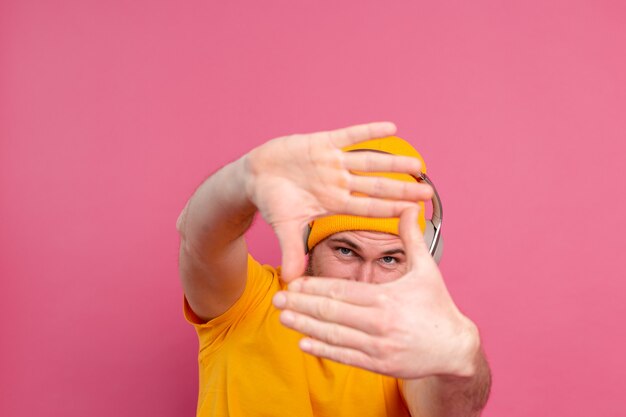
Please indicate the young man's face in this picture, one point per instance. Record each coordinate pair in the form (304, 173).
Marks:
(364, 256)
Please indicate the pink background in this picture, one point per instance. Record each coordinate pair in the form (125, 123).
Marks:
(112, 112)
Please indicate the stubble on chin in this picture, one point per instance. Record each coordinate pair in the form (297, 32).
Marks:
(309, 272)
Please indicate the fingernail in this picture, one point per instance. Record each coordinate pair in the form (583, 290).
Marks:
(305, 344)
(287, 318)
(279, 300)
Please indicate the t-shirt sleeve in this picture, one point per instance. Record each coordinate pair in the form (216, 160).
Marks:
(262, 281)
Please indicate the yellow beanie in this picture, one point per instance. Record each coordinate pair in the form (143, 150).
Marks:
(325, 226)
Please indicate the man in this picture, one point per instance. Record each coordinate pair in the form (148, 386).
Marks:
(373, 330)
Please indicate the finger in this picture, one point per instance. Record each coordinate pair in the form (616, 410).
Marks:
(331, 333)
(350, 135)
(382, 187)
(373, 207)
(345, 355)
(328, 310)
(380, 162)
(357, 293)
(292, 249)
(411, 235)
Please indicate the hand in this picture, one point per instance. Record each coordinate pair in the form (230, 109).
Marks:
(293, 180)
(408, 328)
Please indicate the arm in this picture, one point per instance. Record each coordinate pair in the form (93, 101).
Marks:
(213, 252)
(449, 396)
(290, 181)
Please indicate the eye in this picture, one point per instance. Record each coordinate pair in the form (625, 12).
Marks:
(388, 260)
(345, 251)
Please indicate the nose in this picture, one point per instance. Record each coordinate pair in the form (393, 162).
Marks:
(366, 273)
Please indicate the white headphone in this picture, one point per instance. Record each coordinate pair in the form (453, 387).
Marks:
(432, 233)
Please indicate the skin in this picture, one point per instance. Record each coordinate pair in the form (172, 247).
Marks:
(362, 256)
(392, 316)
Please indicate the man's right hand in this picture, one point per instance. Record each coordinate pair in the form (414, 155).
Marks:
(295, 179)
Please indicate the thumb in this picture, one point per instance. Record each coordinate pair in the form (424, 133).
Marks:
(411, 235)
(292, 248)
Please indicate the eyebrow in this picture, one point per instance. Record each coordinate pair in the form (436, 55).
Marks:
(354, 246)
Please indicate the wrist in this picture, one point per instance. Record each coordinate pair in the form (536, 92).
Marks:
(241, 192)
(247, 175)
(218, 212)
(467, 355)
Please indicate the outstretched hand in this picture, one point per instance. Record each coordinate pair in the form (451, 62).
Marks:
(298, 178)
(408, 328)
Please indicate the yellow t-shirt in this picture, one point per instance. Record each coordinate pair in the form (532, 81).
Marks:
(251, 365)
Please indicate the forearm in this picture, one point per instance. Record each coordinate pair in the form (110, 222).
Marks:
(218, 213)
(450, 396)
(213, 252)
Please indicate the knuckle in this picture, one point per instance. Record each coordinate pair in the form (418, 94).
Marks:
(315, 348)
(332, 335)
(320, 350)
(379, 187)
(337, 290)
(395, 162)
(378, 348)
(388, 348)
(344, 202)
(291, 302)
(388, 367)
(417, 164)
(345, 358)
(368, 162)
(343, 180)
(406, 190)
(382, 299)
(300, 323)
(380, 326)
(383, 367)
(384, 348)
(384, 323)
(326, 309)
(305, 286)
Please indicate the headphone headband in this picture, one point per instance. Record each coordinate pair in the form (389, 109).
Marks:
(436, 219)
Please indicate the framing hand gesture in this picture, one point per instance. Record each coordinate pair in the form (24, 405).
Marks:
(408, 328)
(294, 179)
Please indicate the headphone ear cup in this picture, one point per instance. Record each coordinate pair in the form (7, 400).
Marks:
(429, 235)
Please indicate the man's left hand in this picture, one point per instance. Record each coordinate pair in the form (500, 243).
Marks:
(408, 328)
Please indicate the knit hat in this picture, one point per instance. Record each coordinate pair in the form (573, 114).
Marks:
(325, 226)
